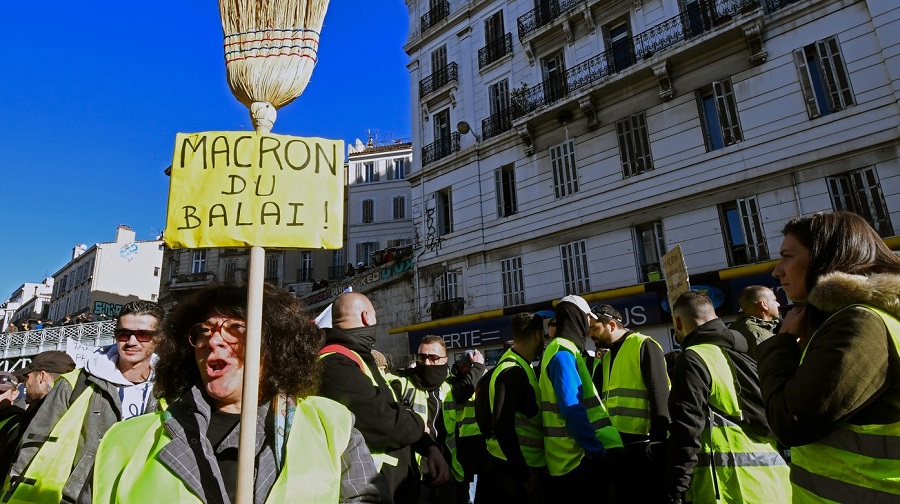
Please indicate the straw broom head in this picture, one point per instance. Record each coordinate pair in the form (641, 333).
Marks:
(271, 47)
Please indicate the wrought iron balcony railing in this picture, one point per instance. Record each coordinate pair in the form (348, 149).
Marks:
(774, 5)
(497, 123)
(337, 272)
(700, 17)
(440, 78)
(495, 50)
(440, 149)
(437, 13)
(448, 308)
(544, 14)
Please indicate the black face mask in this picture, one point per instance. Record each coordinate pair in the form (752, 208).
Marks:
(431, 376)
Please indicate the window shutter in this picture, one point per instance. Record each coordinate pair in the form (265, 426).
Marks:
(726, 108)
(809, 96)
(498, 185)
(828, 73)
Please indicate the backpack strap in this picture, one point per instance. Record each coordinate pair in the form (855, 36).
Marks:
(346, 352)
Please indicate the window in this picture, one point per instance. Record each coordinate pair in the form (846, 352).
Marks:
(718, 113)
(438, 59)
(650, 246)
(859, 192)
(823, 77)
(498, 97)
(368, 211)
(493, 28)
(742, 226)
(618, 40)
(62, 284)
(359, 173)
(565, 175)
(575, 267)
(400, 242)
(370, 172)
(446, 286)
(272, 269)
(338, 266)
(634, 145)
(198, 261)
(230, 268)
(398, 170)
(173, 267)
(399, 207)
(305, 273)
(443, 201)
(513, 281)
(156, 272)
(364, 252)
(553, 68)
(505, 182)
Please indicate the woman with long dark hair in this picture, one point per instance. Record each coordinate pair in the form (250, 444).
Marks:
(831, 376)
(307, 449)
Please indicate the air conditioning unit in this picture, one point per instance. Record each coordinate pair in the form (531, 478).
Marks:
(448, 308)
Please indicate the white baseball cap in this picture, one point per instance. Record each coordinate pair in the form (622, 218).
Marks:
(580, 303)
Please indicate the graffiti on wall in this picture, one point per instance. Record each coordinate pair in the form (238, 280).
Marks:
(109, 309)
(432, 239)
(367, 277)
(128, 252)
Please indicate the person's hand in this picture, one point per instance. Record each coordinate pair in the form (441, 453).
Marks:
(477, 357)
(437, 467)
(795, 323)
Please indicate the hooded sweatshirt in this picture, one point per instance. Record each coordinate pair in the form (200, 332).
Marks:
(562, 370)
(134, 396)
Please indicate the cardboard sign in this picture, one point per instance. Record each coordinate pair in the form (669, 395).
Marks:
(677, 280)
(244, 189)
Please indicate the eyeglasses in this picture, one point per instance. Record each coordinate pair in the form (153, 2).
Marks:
(423, 357)
(142, 335)
(232, 331)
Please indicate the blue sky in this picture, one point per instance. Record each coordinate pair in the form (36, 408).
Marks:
(92, 94)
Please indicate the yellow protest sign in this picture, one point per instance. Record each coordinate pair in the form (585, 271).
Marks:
(243, 189)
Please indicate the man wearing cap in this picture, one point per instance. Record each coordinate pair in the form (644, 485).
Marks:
(10, 416)
(57, 455)
(634, 387)
(39, 376)
(578, 433)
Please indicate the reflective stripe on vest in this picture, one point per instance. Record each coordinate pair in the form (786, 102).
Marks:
(733, 467)
(128, 469)
(46, 476)
(528, 430)
(378, 454)
(458, 422)
(624, 391)
(562, 452)
(854, 463)
(420, 406)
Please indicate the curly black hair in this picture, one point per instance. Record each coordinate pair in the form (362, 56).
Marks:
(290, 342)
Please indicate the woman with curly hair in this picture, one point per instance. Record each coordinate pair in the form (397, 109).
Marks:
(831, 376)
(307, 449)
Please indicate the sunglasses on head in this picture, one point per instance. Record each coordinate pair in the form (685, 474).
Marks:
(141, 335)
(422, 357)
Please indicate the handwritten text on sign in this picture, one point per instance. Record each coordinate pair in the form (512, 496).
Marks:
(677, 280)
(241, 189)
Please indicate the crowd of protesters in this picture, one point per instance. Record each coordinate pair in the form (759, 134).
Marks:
(157, 415)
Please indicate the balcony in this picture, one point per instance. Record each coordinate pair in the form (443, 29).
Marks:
(337, 272)
(440, 149)
(543, 15)
(497, 123)
(192, 280)
(699, 19)
(448, 308)
(440, 12)
(440, 78)
(495, 50)
(774, 5)
(305, 275)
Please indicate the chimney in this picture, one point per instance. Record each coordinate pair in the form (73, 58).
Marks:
(124, 234)
(78, 250)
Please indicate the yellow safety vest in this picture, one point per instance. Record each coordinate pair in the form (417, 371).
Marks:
(854, 463)
(420, 406)
(378, 454)
(624, 391)
(529, 431)
(731, 466)
(127, 469)
(563, 453)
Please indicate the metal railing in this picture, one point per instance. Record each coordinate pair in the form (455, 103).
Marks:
(495, 50)
(497, 123)
(698, 18)
(337, 272)
(774, 5)
(26, 343)
(440, 149)
(438, 79)
(544, 14)
(437, 13)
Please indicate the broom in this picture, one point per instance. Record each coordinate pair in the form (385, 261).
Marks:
(271, 48)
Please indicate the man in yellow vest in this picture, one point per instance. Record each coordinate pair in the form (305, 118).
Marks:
(10, 416)
(352, 378)
(634, 388)
(720, 446)
(515, 459)
(578, 433)
(115, 384)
